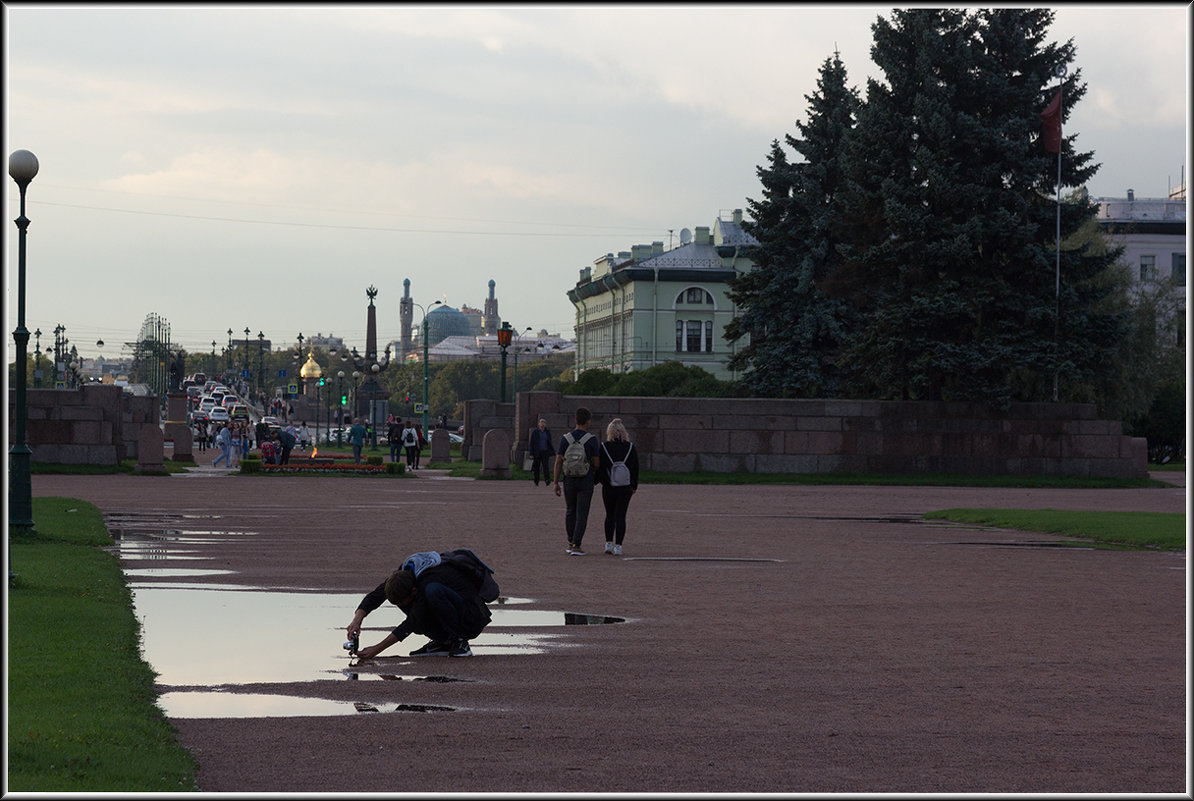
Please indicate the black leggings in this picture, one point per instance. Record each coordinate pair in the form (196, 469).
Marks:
(617, 501)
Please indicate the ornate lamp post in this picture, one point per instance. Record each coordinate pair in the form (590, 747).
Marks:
(246, 368)
(260, 366)
(503, 335)
(37, 360)
(229, 349)
(373, 415)
(22, 167)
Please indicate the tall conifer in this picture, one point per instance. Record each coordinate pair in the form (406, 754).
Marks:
(795, 327)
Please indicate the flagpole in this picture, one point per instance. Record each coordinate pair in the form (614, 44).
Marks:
(1060, 72)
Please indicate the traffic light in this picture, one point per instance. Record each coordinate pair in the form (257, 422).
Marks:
(321, 382)
(406, 399)
(344, 400)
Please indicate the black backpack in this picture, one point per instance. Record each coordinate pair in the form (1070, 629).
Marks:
(481, 573)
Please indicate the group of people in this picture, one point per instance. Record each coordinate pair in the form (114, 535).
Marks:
(235, 439)
(581, 462)
(409, 438)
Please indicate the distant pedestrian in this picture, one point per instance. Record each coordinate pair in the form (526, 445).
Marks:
(410, 441)
(394, 437)
(224, 440)
(540, 448)
(617, 473)
(419, 450)
(356, 438)
(576, 463)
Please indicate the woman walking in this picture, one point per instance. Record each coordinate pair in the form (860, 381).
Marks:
(618, 476)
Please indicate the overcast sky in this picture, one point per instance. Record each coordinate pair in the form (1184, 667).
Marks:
(240, 166)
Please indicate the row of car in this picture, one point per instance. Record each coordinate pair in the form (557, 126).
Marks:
(215, 402)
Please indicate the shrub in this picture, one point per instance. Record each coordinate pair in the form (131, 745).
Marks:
(250, 464)
(395, 468)
(373, 460)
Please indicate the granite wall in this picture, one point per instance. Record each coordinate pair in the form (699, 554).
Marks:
(817, 436)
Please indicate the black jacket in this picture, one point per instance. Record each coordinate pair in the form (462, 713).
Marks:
(419, 616)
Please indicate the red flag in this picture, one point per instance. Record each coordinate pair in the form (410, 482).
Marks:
(1051, 124)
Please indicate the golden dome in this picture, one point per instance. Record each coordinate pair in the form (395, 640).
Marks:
(311, 369)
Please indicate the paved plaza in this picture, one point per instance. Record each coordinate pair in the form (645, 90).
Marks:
(777, 639)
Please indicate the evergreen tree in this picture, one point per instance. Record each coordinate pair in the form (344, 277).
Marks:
(950, 217)
(795, 328)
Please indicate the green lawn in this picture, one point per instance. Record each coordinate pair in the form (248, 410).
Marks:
(1154, 530)
(81, 711)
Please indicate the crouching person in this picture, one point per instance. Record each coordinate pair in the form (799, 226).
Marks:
(444, 598)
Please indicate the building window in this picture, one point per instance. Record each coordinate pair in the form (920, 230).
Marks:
(1179, 269)
(694, 294)
(1148, 268)
(694, 336)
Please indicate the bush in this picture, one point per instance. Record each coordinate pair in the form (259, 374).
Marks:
(395, 468)
(251, 464)
(373, 460)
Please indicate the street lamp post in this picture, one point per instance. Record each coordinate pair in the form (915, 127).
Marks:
(260, 366)
(229, 350)
(375, 369)
(246, 368)
(339, 407)
(504, 334)
(37, 360)
(22, 167)
(517, 348)
(423, 326)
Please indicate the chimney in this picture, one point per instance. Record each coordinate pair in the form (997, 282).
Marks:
(1131, 195)
(656, 248)
(640, 252)
(737, 216)
(701, 235)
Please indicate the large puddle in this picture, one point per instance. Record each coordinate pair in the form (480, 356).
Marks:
(209, 641)
(212, 636)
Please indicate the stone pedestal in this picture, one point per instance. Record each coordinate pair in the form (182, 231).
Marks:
(495, 454)
(441, 446)
(180, 434)
(176, 407)
(150, 450)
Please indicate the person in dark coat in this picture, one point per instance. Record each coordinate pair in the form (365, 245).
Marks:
(541, 450)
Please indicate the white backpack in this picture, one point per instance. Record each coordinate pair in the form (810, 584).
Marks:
(576, 463)
(619, 473)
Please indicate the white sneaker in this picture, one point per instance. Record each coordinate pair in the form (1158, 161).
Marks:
(609, 547)
(617, 550)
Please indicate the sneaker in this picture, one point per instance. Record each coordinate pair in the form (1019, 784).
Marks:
(460, 648)
(569, 548)
(617, 550)
(575, 550)
(609, 547)
(432, 648)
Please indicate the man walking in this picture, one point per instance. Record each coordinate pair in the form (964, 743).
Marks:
(577, 459)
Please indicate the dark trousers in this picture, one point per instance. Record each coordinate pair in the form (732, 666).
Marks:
(394, 446)
(617, 501)
(540, 464)
(411, 451)
(578, 496)
(453, 619)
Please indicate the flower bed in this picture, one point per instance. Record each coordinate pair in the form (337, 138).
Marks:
(321, 466)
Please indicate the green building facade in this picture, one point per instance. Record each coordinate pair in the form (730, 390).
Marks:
(650, 305)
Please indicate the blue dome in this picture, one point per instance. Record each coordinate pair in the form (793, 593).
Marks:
(444, 322)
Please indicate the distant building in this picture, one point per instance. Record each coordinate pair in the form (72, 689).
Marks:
(1153, 234)
(650, 305)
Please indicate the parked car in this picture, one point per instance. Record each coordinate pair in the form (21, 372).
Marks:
(270, 420)
(219, 414)
(455, 438)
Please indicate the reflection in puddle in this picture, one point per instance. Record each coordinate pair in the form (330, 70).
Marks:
(260, 705)
(210, 635)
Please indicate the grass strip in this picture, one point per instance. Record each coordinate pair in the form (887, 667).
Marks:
(81, 700)
(1164, 531)
(463, 469)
